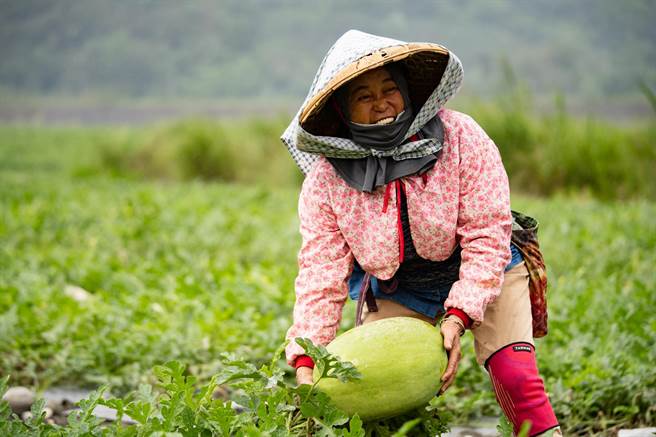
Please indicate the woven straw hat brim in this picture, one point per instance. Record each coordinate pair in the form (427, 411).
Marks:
(424, 64)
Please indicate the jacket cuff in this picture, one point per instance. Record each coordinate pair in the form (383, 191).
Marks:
(303, 361)
(461, 315)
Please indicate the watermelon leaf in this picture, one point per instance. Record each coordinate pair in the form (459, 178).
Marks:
(328, 365)
(355, 428)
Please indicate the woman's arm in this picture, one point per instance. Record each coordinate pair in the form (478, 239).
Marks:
(484, 224)
(325, 262)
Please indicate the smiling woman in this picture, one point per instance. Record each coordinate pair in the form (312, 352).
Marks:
(374, 98)
(406, 207)
(376, 107)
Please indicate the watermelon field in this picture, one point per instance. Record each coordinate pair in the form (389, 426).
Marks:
(161, 279)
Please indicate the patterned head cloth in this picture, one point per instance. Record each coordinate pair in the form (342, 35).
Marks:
(434, 75)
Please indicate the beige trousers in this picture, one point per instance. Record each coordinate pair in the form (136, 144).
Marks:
(506, 320)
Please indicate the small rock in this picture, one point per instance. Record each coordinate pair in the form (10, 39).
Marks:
(105, 413)
(20, 399)
(472, 432)
(58, 405)
(58, 419)
(67, 396)
(76, 293)
(60, 399)
(638, 432)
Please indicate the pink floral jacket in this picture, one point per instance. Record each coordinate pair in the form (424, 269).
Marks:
(463, 199)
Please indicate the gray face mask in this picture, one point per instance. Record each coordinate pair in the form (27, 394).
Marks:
(367, 174)
(386, 136)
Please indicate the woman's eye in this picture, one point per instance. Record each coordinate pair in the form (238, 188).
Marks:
(391, 90)
(363, 98)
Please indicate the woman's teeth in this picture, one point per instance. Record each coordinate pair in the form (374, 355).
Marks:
(387, 120)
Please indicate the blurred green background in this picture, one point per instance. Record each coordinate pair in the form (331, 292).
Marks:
(251, 54)
(566, 89)
(140, 162)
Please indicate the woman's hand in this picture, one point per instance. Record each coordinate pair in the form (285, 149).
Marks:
(451, 328)
(304, 375)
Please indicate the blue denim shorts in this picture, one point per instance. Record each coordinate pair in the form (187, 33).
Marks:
(429, 302)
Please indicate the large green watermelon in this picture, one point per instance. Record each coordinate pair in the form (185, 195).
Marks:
(401, 360)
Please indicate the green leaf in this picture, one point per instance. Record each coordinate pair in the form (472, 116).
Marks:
(5, 409)
(504, 427)
(407, 427)
(83, 421)
(524, 429)
(355, 428)
(221, 418)
(235, 369)
(37, 413)
(328, 365)
(277, 354)
(311, 409)
(140, 411)
(332, 416)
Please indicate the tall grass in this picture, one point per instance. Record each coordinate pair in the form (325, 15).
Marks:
(244, 151)
(544, 154)
(559, 152)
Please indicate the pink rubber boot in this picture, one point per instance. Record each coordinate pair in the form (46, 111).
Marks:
(519, 389)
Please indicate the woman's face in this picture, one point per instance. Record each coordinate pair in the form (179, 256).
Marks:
(374, 98)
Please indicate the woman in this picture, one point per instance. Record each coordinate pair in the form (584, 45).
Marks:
(406, 205)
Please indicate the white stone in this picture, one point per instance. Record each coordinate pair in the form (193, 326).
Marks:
(638, 432)
(458, 431)
(20, 399)
(76, 293)
(107, 413)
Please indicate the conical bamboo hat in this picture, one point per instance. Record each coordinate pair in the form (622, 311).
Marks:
(424, 65)
(434, 75)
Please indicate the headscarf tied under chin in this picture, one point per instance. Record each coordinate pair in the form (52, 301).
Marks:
(366, 174)
(436, 75)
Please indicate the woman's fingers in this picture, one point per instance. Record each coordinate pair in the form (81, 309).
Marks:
(451, 368)
(448, 339)
(451, 334)
(454, 359)
(304, 376)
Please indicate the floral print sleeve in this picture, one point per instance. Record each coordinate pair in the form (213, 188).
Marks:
(484, 222)
(325, 263)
